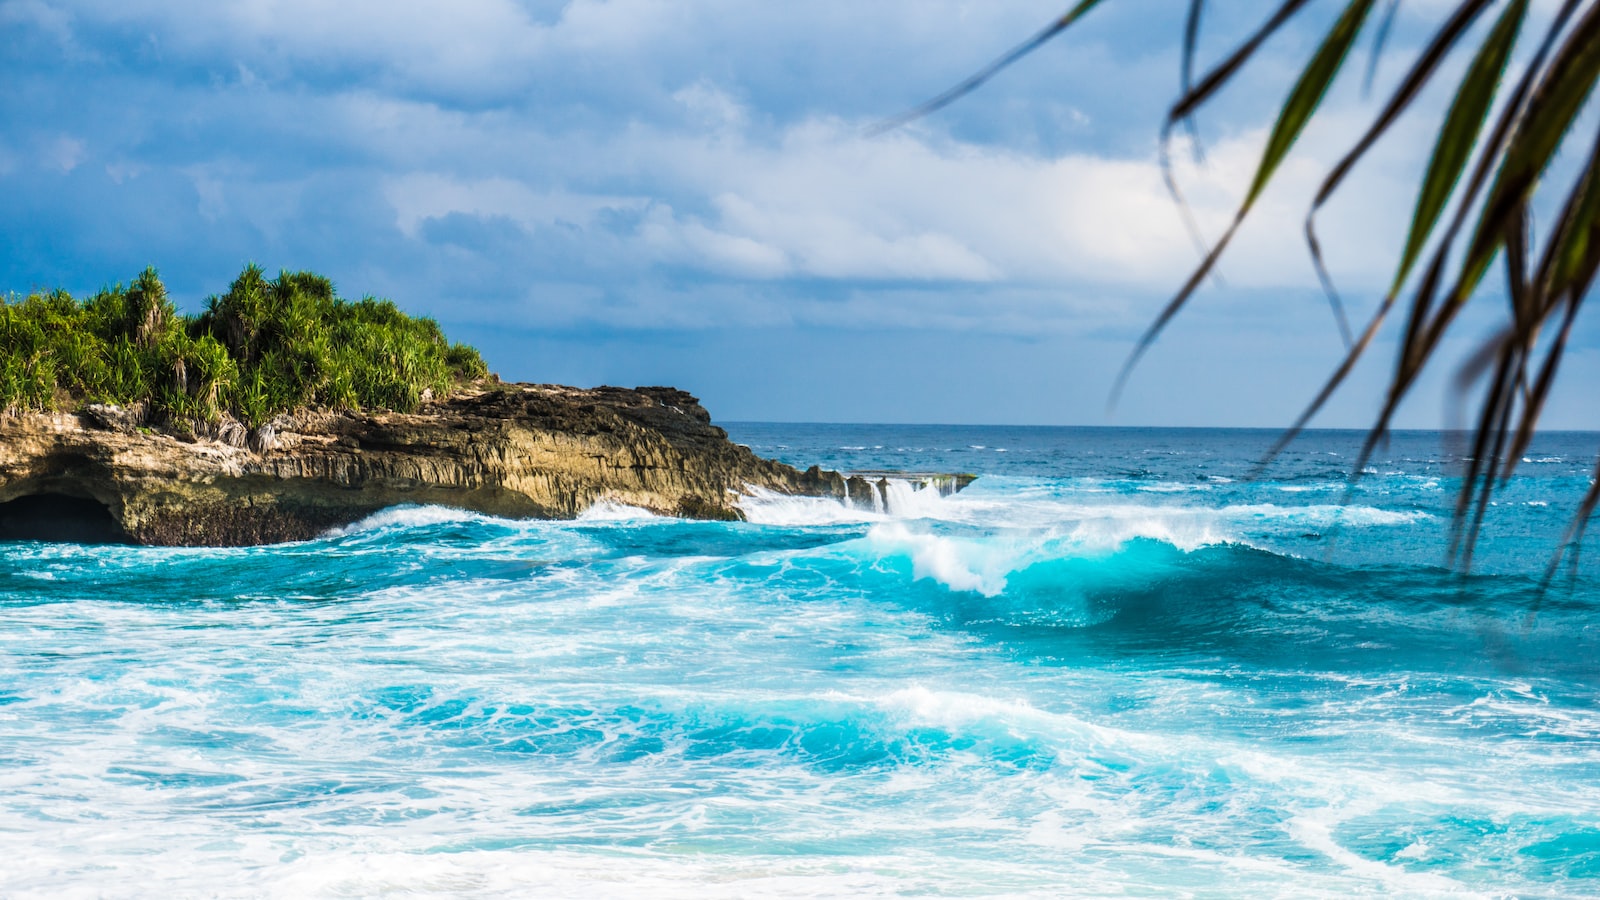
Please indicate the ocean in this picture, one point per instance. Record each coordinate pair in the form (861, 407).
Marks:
(1121, 662)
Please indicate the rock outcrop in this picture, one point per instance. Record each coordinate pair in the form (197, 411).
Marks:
(524, 451)
(875, 490)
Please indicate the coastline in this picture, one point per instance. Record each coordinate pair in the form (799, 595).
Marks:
(514, 451)
(1123, 646)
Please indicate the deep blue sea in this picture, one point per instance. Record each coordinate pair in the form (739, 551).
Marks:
(1114, 665)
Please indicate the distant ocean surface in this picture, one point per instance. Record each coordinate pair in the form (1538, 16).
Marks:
(1115, 664)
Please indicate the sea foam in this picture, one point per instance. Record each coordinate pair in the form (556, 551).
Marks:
(403, 517)
(1051, 683)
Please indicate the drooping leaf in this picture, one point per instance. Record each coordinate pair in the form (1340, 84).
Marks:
(1574, 245)
(1421, 73)
(1224, 71)
(1043, 36)
(1515, 368)
(1560, 282)
(1380, 40)
(1192, 98)
(1191, 37)
(1555, 103)
(1308, 92)
(1557, 96)
(1422, 326)
(1463, 123)
(1297, 110)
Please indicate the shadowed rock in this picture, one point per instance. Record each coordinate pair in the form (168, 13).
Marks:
(58, 517)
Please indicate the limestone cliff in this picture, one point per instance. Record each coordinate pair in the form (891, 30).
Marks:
(518, 451)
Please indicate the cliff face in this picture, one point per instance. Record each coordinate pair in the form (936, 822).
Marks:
(522, 451)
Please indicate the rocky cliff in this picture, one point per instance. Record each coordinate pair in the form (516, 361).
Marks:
(105, 473)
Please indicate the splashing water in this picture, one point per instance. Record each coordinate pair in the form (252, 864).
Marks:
(1114, 664)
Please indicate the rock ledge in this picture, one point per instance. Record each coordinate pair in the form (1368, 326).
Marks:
(519, 451)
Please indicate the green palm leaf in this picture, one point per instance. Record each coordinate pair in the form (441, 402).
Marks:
(1497, 199)
(1297, 110)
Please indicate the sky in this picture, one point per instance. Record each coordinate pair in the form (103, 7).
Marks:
(690, 193)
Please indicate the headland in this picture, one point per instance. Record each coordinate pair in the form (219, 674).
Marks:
(283, 410)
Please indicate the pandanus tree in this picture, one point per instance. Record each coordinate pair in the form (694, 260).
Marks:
(263, 348)
(1505, 123)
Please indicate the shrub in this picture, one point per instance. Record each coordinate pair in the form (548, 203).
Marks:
(263, 348)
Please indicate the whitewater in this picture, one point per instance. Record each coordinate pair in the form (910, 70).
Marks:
(1123, 661)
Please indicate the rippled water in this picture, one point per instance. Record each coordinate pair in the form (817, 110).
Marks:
(1114, 664)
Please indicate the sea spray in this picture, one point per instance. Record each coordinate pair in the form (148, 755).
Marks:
(1051, 682)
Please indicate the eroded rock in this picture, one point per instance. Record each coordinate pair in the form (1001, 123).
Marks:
(523, 451)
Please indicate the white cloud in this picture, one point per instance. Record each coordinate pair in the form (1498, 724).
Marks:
(420, 196)
(504, 48)
(703, 177)
(64, 153)
(462, 44)
(675, 241)
(47, 18)
(122, 171)
(695, 164)
(911, 231)
(712, 107)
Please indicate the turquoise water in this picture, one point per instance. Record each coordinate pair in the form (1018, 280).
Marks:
(1113, 665)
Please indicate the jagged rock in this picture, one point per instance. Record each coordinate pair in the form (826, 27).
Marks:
(110, 417)
(525, 451)
(870, 490)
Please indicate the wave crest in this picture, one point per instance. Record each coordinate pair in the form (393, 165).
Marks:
(403, 517)
(612, 511)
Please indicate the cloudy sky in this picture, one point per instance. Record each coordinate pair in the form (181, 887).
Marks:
(686, 192)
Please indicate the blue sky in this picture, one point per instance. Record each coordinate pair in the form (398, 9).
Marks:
(642, 192)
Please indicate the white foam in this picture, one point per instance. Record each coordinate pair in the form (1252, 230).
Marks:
(908, 502)
(267, 871)
(984, 565)
(1038, 530)
(897, 500)
(1167, 515)
(1245, 513)
(961, 565)
(957, 710)
(407, 517)
(1186, 533)
(765, 507)
(612, 511)
(1316, 836)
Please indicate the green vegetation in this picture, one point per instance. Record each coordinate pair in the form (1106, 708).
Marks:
(263, 348)
(1518, 81)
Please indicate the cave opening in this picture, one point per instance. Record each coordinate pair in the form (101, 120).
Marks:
(60, 518)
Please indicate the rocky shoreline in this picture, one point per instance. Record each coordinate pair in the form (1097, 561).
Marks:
(517, 450)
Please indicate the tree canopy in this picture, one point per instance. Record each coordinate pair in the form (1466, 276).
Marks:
(262, 348)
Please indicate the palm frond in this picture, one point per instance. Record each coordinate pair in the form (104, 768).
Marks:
(1296, 113)
(979, 78)
(1490, 174)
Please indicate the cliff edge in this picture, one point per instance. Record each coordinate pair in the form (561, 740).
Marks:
(520, 451)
